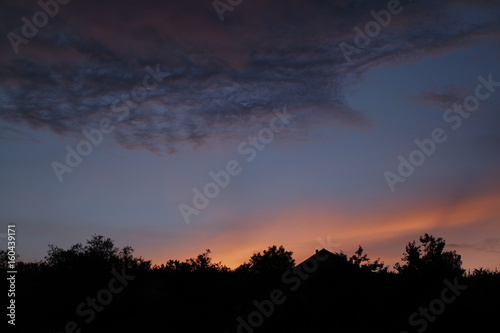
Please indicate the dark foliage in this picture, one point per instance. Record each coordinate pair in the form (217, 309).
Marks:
(430, 259)
(327, 292)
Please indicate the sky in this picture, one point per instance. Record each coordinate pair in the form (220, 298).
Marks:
(327, 124)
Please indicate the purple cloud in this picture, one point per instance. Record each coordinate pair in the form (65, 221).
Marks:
(225, 78)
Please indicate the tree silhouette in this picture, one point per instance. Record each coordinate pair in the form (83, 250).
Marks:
(202, 263)
(362, 261)
(350, 293)
(103, 248)
(99, 251)
(273, 259)
(4, 259)
(430, 259)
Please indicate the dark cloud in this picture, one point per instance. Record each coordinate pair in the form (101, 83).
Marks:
(225, 78)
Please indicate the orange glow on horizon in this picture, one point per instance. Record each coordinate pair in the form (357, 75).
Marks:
(234, 247)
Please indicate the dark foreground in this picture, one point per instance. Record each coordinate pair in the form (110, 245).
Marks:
(85, 291)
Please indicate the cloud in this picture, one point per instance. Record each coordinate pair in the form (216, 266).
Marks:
(225, 78)
(441, 98)
(12, 134)
(491, 245)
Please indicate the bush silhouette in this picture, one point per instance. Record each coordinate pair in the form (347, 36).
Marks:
(272, 260)
(332, 292)
(430, 259)
(202, 263)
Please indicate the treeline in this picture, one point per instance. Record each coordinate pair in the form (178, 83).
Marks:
(97, 287)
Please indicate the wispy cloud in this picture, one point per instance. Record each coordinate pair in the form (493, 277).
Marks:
(441, 98)
(491, 245)
(13, 134)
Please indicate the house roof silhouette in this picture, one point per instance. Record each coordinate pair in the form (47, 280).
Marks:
(320, 256)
